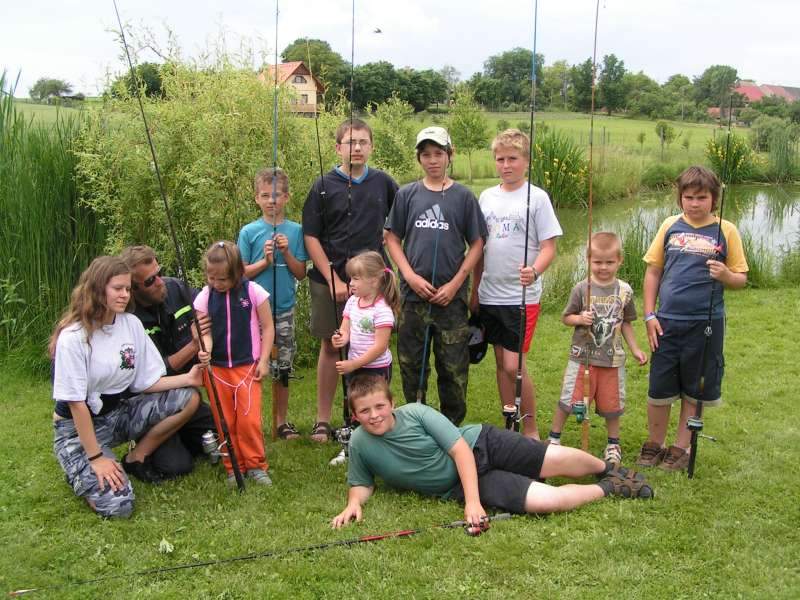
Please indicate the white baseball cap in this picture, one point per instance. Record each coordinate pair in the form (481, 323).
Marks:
(438, 135)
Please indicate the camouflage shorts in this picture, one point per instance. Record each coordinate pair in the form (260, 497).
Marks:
(285, 342)
(129, 421)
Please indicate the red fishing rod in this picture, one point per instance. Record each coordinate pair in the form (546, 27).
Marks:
(179, 259)
(470, 530)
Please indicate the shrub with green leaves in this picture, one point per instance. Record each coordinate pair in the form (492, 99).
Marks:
(394, 131)
(741, 162)
(559, 167)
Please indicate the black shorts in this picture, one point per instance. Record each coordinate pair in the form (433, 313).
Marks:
(501, 324)
(676, 364)
(507, 464)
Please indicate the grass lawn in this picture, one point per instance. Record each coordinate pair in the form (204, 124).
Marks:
(731, 532)
(45, 113)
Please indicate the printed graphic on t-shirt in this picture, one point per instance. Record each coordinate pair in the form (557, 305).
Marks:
(607, 315)
(693, 243)
(128, 357)
(432, 219)
(366, 325)
(504, 226)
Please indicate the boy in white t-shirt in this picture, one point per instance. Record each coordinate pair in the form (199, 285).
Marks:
(500, 274)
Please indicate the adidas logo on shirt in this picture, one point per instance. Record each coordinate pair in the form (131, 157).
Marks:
(432, 219)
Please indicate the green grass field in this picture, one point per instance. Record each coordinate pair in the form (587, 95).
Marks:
(45, 113)
(731, 532)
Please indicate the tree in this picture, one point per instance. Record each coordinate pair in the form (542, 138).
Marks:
(46, 88)
(374, 83)
(714, 86)
(421, 88)
(326, 65)
(468, 125)
(644, 96)
(554, 84)
(666, 133)
(451, 75)
(148, 74)
(580, 77)
(612, 83)
(506, 78)
(678, 89)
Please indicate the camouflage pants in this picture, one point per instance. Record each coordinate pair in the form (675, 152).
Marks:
(132, 419)
(285, 342)
(448, 339)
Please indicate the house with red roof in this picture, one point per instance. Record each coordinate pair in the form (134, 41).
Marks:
(307, 88)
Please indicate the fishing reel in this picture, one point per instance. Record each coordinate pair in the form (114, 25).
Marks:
(341, 435)
(211, 447)
(579, 410)
(476, 530)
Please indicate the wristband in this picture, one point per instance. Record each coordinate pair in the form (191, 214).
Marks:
(649, 317)
(96, 456)
(535, 273)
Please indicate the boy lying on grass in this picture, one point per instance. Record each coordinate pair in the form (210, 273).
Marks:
(414, 447)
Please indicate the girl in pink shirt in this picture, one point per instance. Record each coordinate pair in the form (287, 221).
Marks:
(368, 317)
(238, 347)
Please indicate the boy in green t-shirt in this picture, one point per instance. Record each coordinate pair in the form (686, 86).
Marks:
(414, 447)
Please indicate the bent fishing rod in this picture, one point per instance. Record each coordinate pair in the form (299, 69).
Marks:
(581, 409)
(179, 259)
(513, 413)
(695, 422)
(470, 530)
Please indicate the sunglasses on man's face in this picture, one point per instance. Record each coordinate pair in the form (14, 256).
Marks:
(149, 281)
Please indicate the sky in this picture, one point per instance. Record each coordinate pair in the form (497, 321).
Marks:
(75, 41)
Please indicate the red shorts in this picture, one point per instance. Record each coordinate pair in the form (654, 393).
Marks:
(502, 325)
(606, 388)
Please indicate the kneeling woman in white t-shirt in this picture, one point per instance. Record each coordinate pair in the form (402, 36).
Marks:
(109, 388)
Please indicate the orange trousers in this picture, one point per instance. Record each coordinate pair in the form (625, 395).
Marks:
(240, 397)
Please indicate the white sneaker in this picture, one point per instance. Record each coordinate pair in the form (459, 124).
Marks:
(613, 454)
(259, 476)
(339, 459)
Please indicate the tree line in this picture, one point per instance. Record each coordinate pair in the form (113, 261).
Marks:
(504, 84)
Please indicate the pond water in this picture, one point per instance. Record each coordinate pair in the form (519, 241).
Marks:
(768, 214)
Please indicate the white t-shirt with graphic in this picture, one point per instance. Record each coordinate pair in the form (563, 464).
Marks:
(505, 246)
(364, 321)
(118, 356)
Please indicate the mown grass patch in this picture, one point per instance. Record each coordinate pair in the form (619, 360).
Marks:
(730, 532)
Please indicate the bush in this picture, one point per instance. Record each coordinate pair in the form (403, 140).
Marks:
(394, 132)
(742, 159)
(502, 125)
(660, 175)
(559, 167)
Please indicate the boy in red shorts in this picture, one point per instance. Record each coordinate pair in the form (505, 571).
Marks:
(599, 329)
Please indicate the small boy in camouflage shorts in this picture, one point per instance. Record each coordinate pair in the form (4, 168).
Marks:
(275, 257)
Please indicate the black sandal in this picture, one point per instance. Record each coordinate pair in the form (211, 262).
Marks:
(321, 428)
(288, 431)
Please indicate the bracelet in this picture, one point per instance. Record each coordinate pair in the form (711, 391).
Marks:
(535, 273)
(96, 456)
(649, 317)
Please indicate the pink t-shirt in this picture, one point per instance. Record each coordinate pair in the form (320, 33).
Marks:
(257, 296)
(364, 320)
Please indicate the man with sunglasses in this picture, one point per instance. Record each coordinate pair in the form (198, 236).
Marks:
(163, 305)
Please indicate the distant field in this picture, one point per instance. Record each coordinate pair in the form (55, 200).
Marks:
(44, 112)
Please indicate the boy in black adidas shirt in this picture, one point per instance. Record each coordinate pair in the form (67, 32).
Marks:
(431, 224)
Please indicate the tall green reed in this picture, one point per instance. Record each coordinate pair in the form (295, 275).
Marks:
(46, 237)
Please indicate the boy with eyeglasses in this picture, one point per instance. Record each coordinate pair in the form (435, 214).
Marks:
(343, 216)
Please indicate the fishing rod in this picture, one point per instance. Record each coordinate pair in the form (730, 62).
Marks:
(695, 422)
(343, 433)
(403, 533)
(277, 380)
(422, 388)
(237, 473)
(581, 409)
(512, 413)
